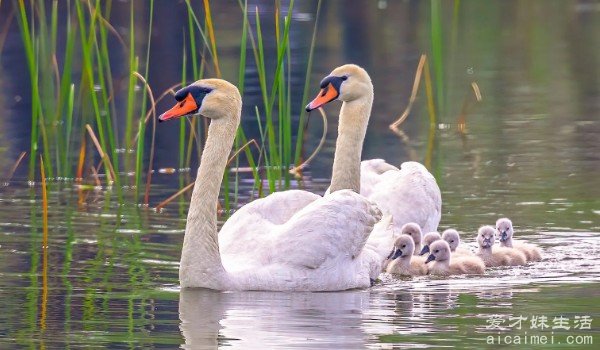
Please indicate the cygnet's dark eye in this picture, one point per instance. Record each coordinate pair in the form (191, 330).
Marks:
(437, 250)
(404, 246)
(452, 241)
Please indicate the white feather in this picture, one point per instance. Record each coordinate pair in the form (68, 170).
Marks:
(320, 246)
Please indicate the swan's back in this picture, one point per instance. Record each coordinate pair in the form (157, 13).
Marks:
(250, 228)
(370, 174)
(409, 194)
(320, 248)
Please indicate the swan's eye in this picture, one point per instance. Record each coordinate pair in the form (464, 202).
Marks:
(344, 77)
(452, 241)
(404, 246)
(437, 251)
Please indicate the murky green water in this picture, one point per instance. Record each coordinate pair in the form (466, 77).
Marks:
(531, 151)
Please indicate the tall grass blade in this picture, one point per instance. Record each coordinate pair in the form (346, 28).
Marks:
(44, 303)
(437, 50)
(302, 119)
(211, 35)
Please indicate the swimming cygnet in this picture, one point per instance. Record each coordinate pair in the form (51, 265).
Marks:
(453, 238)
(402, 260)
(498, 256)
(414, 231)
(505, 231)
(444, 264)
(429, 238)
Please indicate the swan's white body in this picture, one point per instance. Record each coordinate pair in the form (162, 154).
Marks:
(296, 240)
(408, 194)
(288, 241)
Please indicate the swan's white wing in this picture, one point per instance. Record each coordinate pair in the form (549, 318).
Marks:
(321, 247)
(410, 194)
(370, 174)
(330, 229)
(383, 236)
(248, 232)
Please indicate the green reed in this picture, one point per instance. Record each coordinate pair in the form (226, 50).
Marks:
(65, 100)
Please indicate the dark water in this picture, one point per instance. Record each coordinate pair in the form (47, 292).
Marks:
(531, 151)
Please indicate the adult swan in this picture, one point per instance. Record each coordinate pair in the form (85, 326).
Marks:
(303, 242)
(408, 194)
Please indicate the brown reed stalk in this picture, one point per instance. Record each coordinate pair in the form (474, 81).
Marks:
(15, 166)
(413, 94)
(297, 170)
(107, 164)
(191, 185)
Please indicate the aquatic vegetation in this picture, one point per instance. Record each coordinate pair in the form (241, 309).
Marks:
(93, 103)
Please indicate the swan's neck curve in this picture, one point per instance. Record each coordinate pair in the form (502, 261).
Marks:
(354, 119)
(201, 264)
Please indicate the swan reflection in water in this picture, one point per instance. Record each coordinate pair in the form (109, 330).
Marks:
(345, 320)
(248, 320)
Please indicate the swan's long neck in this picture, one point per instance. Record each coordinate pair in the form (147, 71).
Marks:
(201, 264)
(354, 118)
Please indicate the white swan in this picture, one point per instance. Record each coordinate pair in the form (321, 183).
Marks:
(316, 245)
(242, 230)
(446, 264)
(408, 194)
(505, 232)
(402, 260)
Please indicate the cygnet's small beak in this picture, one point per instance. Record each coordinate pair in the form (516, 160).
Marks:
(425, 250)
(503, 236)
(391, 253)
(372, 281)
(431, 257)
(397, 254)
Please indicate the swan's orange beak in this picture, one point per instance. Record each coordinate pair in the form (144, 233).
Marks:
(326, 95)
(182, 108)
